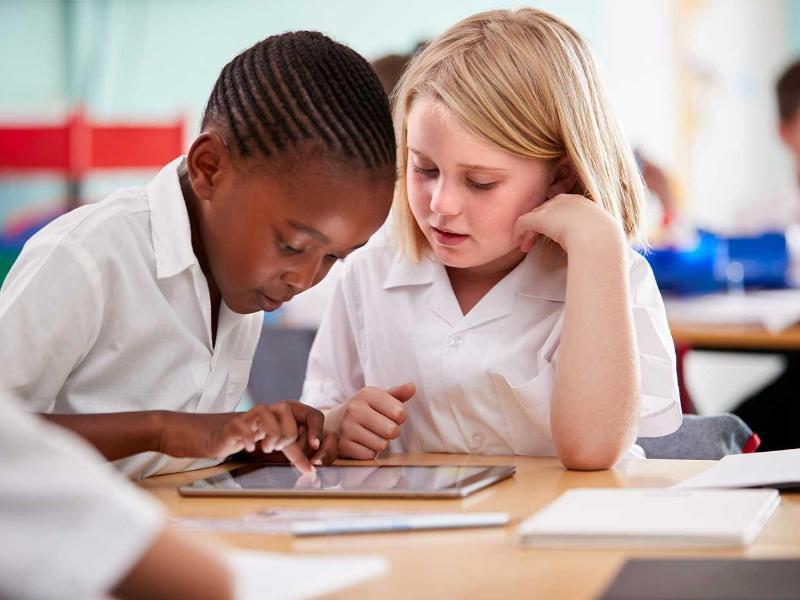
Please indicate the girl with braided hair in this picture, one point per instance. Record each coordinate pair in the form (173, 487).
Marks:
(134, 321)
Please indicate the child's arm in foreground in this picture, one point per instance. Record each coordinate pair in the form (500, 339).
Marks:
(595, 400)
(78, 529)
(270, 428)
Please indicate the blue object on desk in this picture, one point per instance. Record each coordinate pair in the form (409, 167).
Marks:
(720, 263)
(764, 259)
(687, 271)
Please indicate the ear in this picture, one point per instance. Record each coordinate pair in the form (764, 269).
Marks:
(207, 160)
(783, 130)
(562, 179)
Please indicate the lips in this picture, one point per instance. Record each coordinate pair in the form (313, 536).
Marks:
(268, 304)
(445, 237)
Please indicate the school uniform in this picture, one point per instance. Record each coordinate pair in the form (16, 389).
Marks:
(71, 526)
(108, 310)
(484, 380)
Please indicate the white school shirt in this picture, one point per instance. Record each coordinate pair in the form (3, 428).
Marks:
(107, 310)
(484, 380)
(70, 525)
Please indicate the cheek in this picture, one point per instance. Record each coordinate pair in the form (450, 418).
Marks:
(495, 217)
(497, 222)
(419, 197)
(253, 259)
(323, 271)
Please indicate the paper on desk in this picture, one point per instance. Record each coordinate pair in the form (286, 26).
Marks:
(778, 469)
(774, 310)
(318, 521)
(260, 575)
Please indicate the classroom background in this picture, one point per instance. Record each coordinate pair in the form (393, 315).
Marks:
(692, 82)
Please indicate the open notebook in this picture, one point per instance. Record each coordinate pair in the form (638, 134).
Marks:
(651, 517)
(779, 469)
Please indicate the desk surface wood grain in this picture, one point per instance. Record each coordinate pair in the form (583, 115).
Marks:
(480, 563)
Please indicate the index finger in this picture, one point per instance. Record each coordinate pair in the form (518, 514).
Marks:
(298, 459)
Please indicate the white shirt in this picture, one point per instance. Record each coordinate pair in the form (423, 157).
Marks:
(484, 380)
(107, 310)
(71, 526)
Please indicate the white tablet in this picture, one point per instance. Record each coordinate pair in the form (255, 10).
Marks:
(407, 481)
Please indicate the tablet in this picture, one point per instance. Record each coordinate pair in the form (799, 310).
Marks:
(406, 481)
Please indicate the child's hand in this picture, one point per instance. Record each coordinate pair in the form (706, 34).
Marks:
(324, 455)
(371, 418)
(567, 219)
(271, 428)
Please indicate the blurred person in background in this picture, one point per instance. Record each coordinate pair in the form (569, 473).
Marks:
(773, 412)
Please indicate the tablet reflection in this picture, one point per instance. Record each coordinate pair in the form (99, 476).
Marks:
(344, 478)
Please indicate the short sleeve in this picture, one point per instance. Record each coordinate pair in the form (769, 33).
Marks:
(72, 527)
(660, 412)
(334, 373)
(51, 310)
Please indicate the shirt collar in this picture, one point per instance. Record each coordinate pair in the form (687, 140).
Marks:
(169, 222)
(404, 272)
(542, 278)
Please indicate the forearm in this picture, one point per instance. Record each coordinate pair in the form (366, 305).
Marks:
(176, 567)
(116, 435)
(596, 390)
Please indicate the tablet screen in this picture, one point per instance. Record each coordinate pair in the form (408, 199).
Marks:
(351, 480)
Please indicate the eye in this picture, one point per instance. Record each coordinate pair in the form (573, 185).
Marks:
(427, 172)
(481, 186)
(286, 248)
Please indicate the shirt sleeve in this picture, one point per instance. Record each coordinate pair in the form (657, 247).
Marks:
(660, 412)
(660, 409)
(334, 373)
(51, 310)
(72, 527)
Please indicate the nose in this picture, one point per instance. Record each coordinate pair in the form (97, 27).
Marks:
(445, 200)
(303, 275)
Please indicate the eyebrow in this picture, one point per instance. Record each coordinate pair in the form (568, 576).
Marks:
(472, 167)
(316, 234)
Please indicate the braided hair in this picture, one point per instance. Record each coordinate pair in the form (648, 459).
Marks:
(301, 89)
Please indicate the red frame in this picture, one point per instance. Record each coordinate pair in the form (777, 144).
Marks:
(78, 146)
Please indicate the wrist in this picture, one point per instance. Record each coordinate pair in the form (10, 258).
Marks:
(603, 236)
(160, 422)
(333, 418)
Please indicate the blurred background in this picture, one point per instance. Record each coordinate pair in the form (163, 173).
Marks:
(97, 94)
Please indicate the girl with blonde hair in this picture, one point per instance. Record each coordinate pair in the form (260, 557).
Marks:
(509, 298)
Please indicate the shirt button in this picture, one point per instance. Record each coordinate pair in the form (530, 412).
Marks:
(456, 341)
(476, 441)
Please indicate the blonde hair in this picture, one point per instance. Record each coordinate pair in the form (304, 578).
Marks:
(524, 81)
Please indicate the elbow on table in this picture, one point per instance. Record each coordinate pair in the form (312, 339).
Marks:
(589, 457)
(584, 442)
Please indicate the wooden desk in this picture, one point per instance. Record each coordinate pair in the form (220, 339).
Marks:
(482, 563)
(734, 337)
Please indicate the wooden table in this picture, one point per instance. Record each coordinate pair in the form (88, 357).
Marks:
(739, 338)
(481, 563)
